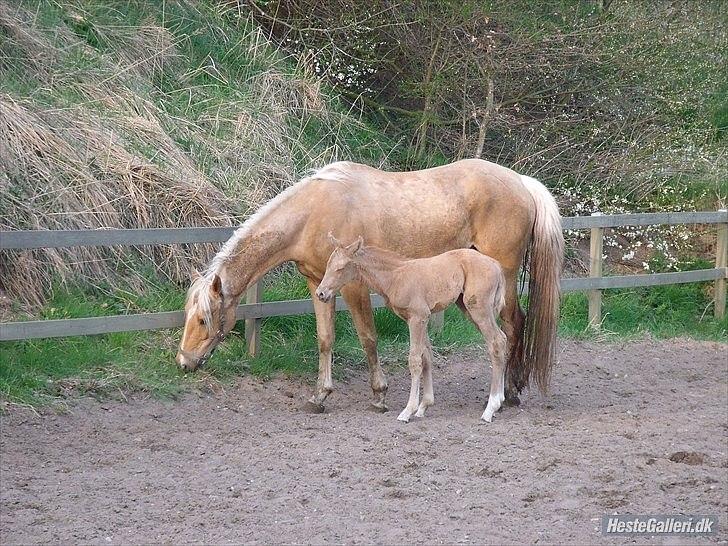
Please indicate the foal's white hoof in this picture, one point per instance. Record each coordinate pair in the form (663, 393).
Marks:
(404, 416)
(487, 416)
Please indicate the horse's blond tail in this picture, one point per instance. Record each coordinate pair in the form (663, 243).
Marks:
(545, 263)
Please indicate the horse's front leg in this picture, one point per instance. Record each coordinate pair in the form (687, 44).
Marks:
(428, 392)
(418, 335)
(325, 333)
(357, 298)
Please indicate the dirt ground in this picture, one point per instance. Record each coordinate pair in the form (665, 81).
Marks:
(247, 466)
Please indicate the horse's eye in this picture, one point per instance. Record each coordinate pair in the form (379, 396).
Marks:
(202, 322)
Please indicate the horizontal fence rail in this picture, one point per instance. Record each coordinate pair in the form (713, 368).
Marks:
(112, 237)
(253, 312)
(644, 219)
(14, 331)
(166, 236)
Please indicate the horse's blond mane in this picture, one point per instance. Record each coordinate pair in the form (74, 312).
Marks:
(201, 288)
(338, 171)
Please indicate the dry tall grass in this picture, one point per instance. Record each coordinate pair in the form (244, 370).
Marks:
(91, 138)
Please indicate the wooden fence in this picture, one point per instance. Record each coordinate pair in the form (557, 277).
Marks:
(253, 311)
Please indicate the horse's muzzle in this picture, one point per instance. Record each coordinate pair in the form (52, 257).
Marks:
(185, 363)
(190, 363)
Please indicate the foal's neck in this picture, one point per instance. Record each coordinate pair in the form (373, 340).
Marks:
(377, 268)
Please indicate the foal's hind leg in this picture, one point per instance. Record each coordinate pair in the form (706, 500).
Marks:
(497, 342)
(418, 335)
(428, 393)
(497, 350)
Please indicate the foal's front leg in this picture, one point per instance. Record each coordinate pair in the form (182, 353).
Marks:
(418, 336)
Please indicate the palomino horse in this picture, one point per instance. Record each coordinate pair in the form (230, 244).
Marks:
(469, 204)
(413, 288)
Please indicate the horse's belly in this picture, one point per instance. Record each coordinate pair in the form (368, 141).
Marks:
(423, 232)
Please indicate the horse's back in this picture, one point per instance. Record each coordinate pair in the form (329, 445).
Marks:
(474, 175)
(469, 203)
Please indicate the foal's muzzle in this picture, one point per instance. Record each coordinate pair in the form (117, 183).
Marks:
(324, 295)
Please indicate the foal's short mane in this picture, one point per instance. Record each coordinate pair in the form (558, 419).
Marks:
(339, 171)
(387, 258)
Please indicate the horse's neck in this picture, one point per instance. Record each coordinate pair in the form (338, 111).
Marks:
(255, 249)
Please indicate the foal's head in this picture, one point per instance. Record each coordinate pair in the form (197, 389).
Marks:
(208, 317)
(340, 268)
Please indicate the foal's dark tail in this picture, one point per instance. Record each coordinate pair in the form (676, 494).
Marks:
(545, 264)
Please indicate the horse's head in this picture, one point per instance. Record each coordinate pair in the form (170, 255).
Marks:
(340, 268)
(208, 317)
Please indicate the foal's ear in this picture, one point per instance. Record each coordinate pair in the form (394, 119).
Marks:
(355, 247)
(216, 286)
(333, 240)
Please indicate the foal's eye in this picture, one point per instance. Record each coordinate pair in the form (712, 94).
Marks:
(202, 322)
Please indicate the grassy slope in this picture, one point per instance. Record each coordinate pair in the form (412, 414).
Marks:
(149, 114)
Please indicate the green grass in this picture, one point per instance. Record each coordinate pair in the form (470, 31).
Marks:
(660, 311)
(43, 372)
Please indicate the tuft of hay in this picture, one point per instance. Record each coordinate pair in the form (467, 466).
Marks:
(64, 171)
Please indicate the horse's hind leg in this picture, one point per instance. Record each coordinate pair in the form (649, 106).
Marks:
(513, 320)
(418, 335)
(428, 392)
(357, 298)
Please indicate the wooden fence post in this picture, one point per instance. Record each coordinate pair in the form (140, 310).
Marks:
(252, 326)
(437, 322)
(721, 261)
(596, 247)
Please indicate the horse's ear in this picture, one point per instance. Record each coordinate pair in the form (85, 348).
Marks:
(194, 274)
(333, 240)
(216, 286)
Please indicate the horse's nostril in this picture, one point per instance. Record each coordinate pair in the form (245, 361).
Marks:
(182, 362)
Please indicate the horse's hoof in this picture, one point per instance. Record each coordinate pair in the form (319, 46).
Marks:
(378, 408)
(313, 407)
(511, 401)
